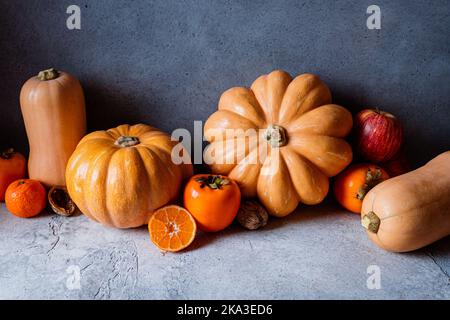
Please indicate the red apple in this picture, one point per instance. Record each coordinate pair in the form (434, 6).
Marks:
(398, 165)
(378, 135)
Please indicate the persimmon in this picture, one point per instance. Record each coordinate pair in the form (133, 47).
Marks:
(12, 167)
(213, 200)
(25, 198)
(351, 185)
(172, 228)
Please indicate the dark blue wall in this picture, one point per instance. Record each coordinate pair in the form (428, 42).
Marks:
(167, 62)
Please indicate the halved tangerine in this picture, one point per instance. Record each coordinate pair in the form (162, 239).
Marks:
(172, 228)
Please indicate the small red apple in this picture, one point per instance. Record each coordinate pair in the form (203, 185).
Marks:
(398, 165)
(378, 135)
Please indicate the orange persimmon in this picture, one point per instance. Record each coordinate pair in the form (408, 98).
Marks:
(25, 198)
(172, 228)
(351, 185)
(213, 200)
(12, 167)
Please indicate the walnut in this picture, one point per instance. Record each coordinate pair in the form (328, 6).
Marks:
(60, 201)
(252, 215)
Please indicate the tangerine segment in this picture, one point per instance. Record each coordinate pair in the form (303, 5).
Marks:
(172, 228)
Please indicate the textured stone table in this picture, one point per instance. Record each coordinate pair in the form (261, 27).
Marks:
(318, 252)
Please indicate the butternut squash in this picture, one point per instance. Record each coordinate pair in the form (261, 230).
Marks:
(410, 211)
(53, 110)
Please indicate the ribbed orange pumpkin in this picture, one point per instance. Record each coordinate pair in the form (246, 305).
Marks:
(119, 177)
(299, 129)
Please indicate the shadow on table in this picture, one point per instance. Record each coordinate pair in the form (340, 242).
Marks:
(439, 251)
(303, 214)
(308, 214)
(326, 212)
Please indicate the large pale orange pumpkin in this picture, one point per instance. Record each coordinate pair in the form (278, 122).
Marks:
(53, 110)
(299, 130)
(119, 177)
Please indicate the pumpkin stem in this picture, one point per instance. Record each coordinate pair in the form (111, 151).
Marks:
(7, 154)
(212, 181)
(127, 141)
(371, 222)
(48, 74)
(275, 135)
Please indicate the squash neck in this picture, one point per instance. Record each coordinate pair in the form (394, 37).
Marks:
(127, 141)
(48, 74)
(275, 136)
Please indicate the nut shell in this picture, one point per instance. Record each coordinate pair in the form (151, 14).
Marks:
(60, 201)
(252, 215)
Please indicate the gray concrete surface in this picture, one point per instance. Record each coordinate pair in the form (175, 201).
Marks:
(316, 253)
(166, 62)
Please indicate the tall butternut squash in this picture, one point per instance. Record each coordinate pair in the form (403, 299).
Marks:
(53, 110)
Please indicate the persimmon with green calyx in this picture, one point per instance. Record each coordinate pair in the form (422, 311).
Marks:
(213, 201)
(25, 198)
(352, 185)
(12, 167)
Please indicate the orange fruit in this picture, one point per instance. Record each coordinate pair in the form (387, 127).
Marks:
(351, 185)
(172, 228)
(25, 198)
(213, 200)
(13, 166)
